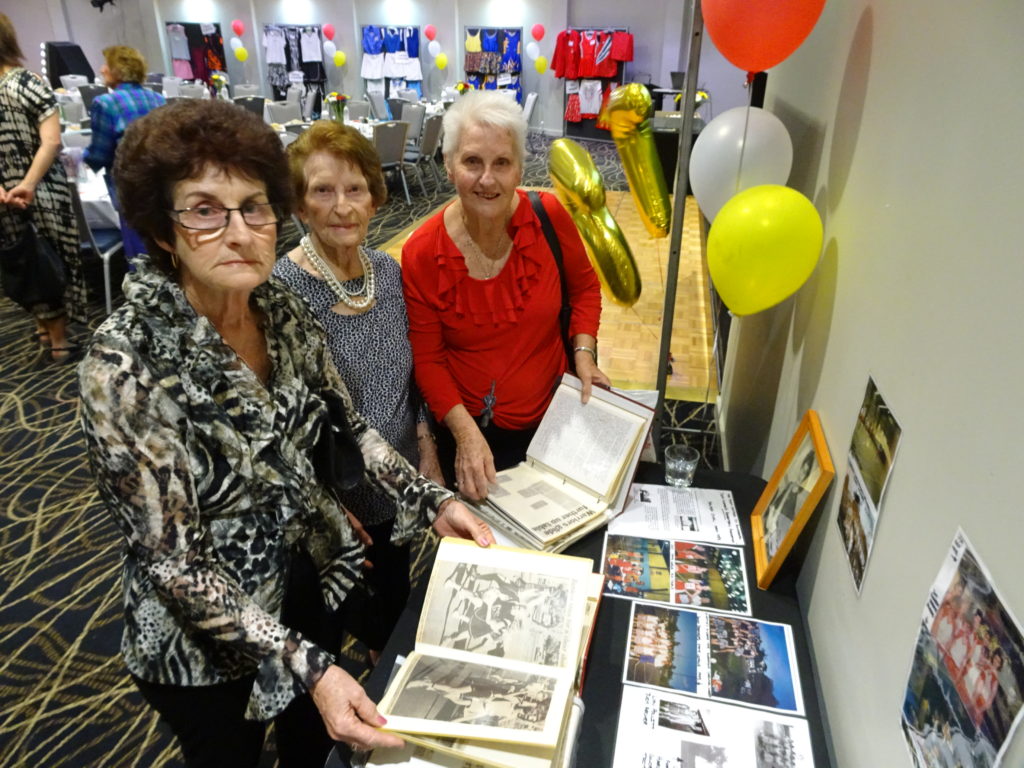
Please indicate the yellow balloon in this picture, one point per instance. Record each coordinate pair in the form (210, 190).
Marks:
(441, 60)
(579, 186)
(541, 64)
(629, 110)
(241, 54)
(763, 245)
(339, 58)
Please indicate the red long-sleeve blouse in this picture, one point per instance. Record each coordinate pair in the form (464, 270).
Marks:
(467, 333)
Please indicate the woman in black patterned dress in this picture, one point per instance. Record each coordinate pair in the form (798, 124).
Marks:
(203, 400)
(32, 181)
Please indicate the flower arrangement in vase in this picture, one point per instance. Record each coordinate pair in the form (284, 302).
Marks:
(336, 103)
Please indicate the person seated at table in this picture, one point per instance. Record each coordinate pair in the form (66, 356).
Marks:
(111, 113)
(483, 294)
(204, 406)
(356, 292)
(35, 188)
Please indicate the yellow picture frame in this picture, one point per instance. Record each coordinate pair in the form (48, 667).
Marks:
(800, 479)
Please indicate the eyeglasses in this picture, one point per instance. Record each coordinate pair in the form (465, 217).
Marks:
(217, 217)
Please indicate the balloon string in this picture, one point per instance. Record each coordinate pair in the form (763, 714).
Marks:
(743, 146)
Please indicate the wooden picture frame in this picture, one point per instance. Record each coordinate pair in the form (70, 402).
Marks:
(794, 490)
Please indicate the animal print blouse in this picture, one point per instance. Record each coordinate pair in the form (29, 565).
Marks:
(208, 473)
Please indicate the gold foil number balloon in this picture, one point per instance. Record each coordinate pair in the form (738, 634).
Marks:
(581, 190)
(629, 110)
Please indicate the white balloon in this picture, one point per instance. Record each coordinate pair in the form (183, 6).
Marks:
(434, 47)
(715, 172)
(330, 49)
(532, 50)
(236, 43)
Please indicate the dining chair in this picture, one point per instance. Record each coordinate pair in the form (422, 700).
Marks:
(282, 111)
(73, 112)
(294, 94)
(154, 87)
(252, 103)
(76, 138)
(103, 242)
(380, 107)
(389, 139)
(191, 90)
(407, 94)
(430, 141)
(528, 107)
(357, 110)
(395, 108)
(246, 89)
(413, 114)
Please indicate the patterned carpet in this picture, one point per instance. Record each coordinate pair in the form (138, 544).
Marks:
(65, 699)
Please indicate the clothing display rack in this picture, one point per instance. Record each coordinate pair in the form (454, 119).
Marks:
(197, 50)
(592, 60)
(391, 60)
(293, 48)
(494, 59)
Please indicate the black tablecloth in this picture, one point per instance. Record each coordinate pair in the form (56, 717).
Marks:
(602, 689)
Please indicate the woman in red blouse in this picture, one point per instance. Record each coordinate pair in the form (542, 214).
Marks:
(483, 296)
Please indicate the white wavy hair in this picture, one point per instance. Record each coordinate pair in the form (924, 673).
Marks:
(487, 108)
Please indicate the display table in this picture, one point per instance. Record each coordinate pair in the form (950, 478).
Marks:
(602, 689)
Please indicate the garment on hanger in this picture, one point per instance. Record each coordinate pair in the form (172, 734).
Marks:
(588, 53)
(622, 46)
(273, 45)
(373, 39)
(511, 51)
(178, 40)
(411, 42)
(566, 59)
(605, 65)
(473, 41)
(590, 98)
(310, 45)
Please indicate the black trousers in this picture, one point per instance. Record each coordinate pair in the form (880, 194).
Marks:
(209, 721)
(508, 446)
(374, 621)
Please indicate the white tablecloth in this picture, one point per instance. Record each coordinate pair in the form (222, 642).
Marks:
(99, 211)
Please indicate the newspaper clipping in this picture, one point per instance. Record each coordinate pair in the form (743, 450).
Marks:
(658, 728)
(963, 698)
(695, 514)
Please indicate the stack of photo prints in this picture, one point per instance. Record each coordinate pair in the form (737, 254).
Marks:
(704, 683)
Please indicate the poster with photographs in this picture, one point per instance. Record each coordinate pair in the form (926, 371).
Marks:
(876, 436)
(963, 698)
(697, 575)
(658, 728)
(719, 657)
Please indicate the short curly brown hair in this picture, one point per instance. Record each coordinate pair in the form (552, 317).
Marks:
(125, 64)
(343, 142)
(179, 142)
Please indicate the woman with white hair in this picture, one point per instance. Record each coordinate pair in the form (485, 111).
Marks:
(484, 295)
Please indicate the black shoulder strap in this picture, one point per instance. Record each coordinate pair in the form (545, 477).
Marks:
(565, 314)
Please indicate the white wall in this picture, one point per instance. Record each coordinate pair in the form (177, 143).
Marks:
(906, 125)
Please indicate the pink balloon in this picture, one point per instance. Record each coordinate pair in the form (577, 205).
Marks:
(329, 31)
(537, 32)
(430, 31)
(238, 27)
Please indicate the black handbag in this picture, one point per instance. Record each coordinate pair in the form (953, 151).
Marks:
(565, 313)
(31, 270)
(337, 460)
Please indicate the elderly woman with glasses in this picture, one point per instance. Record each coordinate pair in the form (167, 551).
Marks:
(206, 403)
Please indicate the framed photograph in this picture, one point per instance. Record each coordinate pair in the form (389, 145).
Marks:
(795, 488)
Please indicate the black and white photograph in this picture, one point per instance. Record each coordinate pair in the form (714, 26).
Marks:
(457, 692)
(789, 498)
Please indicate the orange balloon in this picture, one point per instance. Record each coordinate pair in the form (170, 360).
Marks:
(757, 34)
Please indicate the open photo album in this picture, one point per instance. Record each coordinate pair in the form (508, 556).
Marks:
(498, 647)
(577, 471)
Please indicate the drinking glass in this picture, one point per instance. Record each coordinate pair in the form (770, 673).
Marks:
(680, 464)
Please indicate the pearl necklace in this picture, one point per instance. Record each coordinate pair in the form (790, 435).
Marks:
(351, 299)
